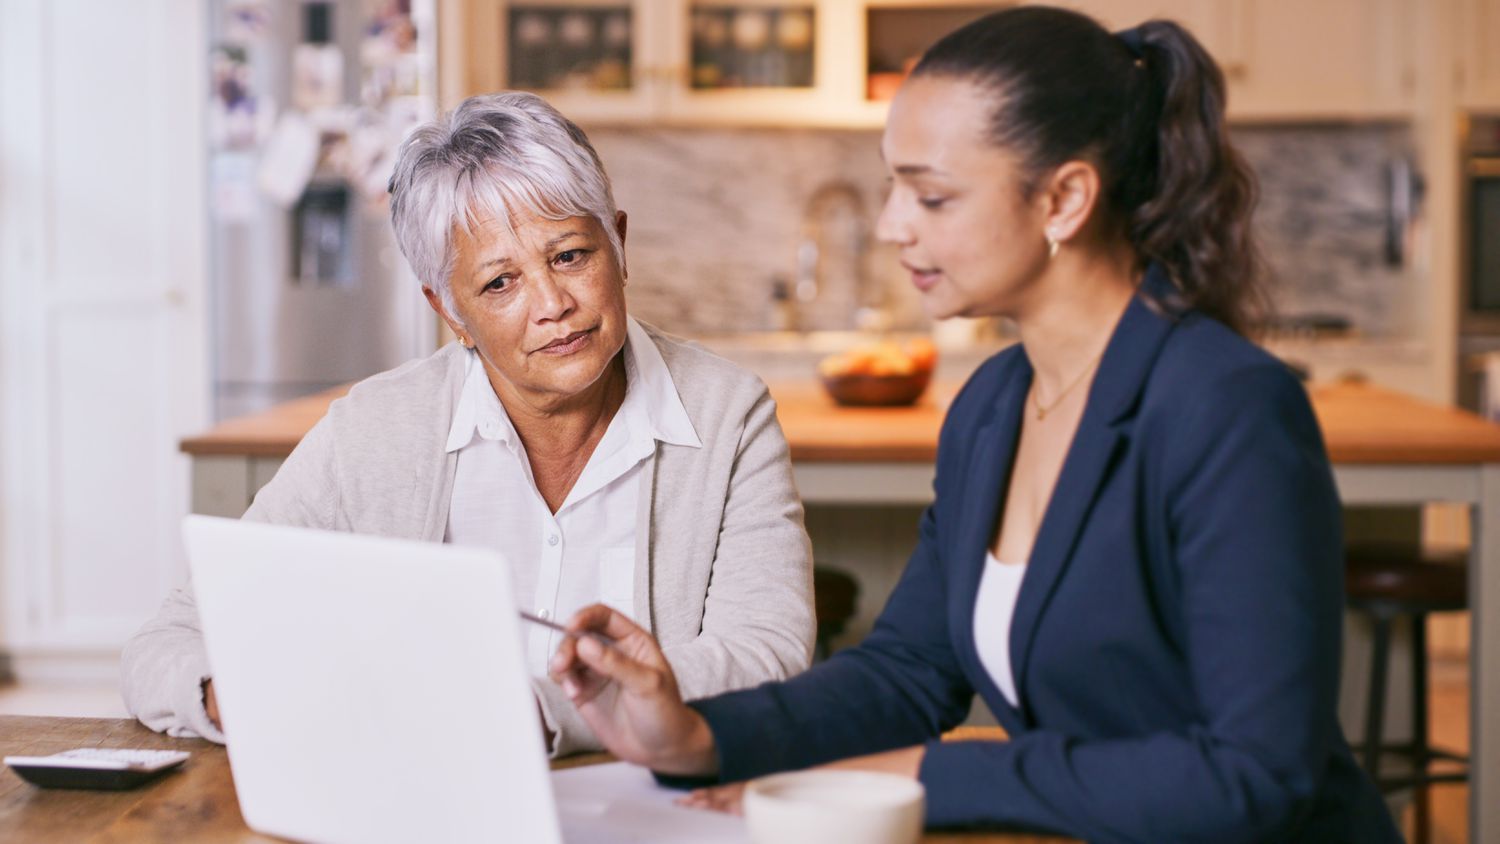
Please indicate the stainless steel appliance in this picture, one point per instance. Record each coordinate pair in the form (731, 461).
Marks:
(1479, 267)
(309, 101)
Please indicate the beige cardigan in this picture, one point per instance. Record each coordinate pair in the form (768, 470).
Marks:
(727, 581)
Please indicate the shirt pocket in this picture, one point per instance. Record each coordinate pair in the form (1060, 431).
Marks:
(617, 579)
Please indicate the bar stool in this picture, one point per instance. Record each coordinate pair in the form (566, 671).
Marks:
(834, 594)
(1386, 582)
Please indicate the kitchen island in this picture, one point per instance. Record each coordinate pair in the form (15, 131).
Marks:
(1387, 448)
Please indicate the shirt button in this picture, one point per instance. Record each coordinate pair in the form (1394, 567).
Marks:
(544, 613)
(552, 539)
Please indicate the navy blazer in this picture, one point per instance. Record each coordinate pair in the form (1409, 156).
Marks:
(1176, 638)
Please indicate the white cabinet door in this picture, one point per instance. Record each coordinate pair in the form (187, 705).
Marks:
(1321, 59)
(1478, 40)
(102, 270)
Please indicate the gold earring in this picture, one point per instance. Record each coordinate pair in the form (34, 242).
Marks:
(464, 341)
(1052, 244)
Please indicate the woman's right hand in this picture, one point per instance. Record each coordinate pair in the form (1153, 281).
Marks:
(628, 695)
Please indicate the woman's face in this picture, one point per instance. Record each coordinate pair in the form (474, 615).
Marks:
(544, 306)
(973, 245)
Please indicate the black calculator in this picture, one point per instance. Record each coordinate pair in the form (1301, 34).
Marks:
(110, 769)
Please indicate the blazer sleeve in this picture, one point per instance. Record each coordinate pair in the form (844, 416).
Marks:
(1255, 526)
(164, 665)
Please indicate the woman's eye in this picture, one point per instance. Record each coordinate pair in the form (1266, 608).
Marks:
(932, 203)
(498, 283)
(572, 256)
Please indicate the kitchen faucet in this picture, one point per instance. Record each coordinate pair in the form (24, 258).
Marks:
(833, 250)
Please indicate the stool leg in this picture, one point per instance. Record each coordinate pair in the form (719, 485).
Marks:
(1375, 713)
(1419, 729)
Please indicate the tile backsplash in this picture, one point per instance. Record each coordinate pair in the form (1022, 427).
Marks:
(718, 216)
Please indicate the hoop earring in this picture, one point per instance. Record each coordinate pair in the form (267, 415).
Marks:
(464, 341)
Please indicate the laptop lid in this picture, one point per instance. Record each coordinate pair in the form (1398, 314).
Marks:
(371, 689)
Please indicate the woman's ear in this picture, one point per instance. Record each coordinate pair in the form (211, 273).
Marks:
(620, 226)
(436, 301)
(1070, 196)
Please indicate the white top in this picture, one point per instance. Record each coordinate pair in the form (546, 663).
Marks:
(993, 611)
(585, 553)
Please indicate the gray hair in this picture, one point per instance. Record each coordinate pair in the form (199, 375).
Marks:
(494, 154)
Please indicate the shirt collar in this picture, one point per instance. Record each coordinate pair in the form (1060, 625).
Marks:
(651, 400)
(479, 412)
(660, 405)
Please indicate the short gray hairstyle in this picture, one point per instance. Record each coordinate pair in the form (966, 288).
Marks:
(494, 154)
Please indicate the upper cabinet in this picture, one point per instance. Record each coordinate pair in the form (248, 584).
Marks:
(837, 62)
(1478, 42)
(1320, 59)
(592, 59)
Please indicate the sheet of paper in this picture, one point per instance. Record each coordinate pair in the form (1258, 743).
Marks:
(621, 804)
(289, 159)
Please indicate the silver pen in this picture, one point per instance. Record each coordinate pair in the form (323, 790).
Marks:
(552, 625)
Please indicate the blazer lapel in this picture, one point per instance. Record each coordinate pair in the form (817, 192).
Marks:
(982, 492)
(1122, 374)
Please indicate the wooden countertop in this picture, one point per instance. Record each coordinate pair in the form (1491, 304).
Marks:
(198, 802)
(1362, 424)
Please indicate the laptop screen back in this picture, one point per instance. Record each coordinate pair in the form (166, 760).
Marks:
(370, 689)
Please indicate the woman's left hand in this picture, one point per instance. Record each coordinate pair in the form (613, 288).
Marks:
(730, 798)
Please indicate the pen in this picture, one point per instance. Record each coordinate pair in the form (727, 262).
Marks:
(552, 625)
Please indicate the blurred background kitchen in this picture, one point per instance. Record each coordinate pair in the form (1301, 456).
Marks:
(193, 228)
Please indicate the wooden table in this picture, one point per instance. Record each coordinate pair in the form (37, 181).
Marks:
(195, 804)
(1387, 449)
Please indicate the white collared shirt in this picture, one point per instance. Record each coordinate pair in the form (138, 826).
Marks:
(585, 553)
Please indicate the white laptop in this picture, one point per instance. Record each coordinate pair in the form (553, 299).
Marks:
(374, 690)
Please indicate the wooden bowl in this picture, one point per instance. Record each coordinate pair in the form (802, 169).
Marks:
(876, 390)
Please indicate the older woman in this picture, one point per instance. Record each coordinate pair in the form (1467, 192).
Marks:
(605, 460)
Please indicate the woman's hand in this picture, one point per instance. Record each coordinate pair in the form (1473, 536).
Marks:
(731, 798)
(628, 695)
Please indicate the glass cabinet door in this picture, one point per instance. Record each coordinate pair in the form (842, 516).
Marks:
(589, 58)
(749, 61)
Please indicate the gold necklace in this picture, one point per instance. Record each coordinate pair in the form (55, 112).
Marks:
(1036, 399)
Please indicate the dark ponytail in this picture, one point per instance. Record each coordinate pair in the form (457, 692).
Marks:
(1147, 108)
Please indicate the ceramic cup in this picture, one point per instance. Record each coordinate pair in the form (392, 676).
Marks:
(815, 807)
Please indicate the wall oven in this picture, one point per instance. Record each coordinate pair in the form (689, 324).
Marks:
(1481, 221)
(1479, 267)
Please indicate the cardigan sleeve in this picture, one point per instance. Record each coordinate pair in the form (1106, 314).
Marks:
(758, 622)
(757, 619)
(1255, 526)
(164, 665)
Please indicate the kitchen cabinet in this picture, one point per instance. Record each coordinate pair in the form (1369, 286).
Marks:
(673, 61)
(715, 62)
(1320, 59)
(1294, 59)
(1478, 71)
(592, 59)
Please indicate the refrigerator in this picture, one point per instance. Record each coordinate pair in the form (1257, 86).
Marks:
(308, 104)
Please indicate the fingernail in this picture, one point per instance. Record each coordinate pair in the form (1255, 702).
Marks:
(589, 648)
(570, 687)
